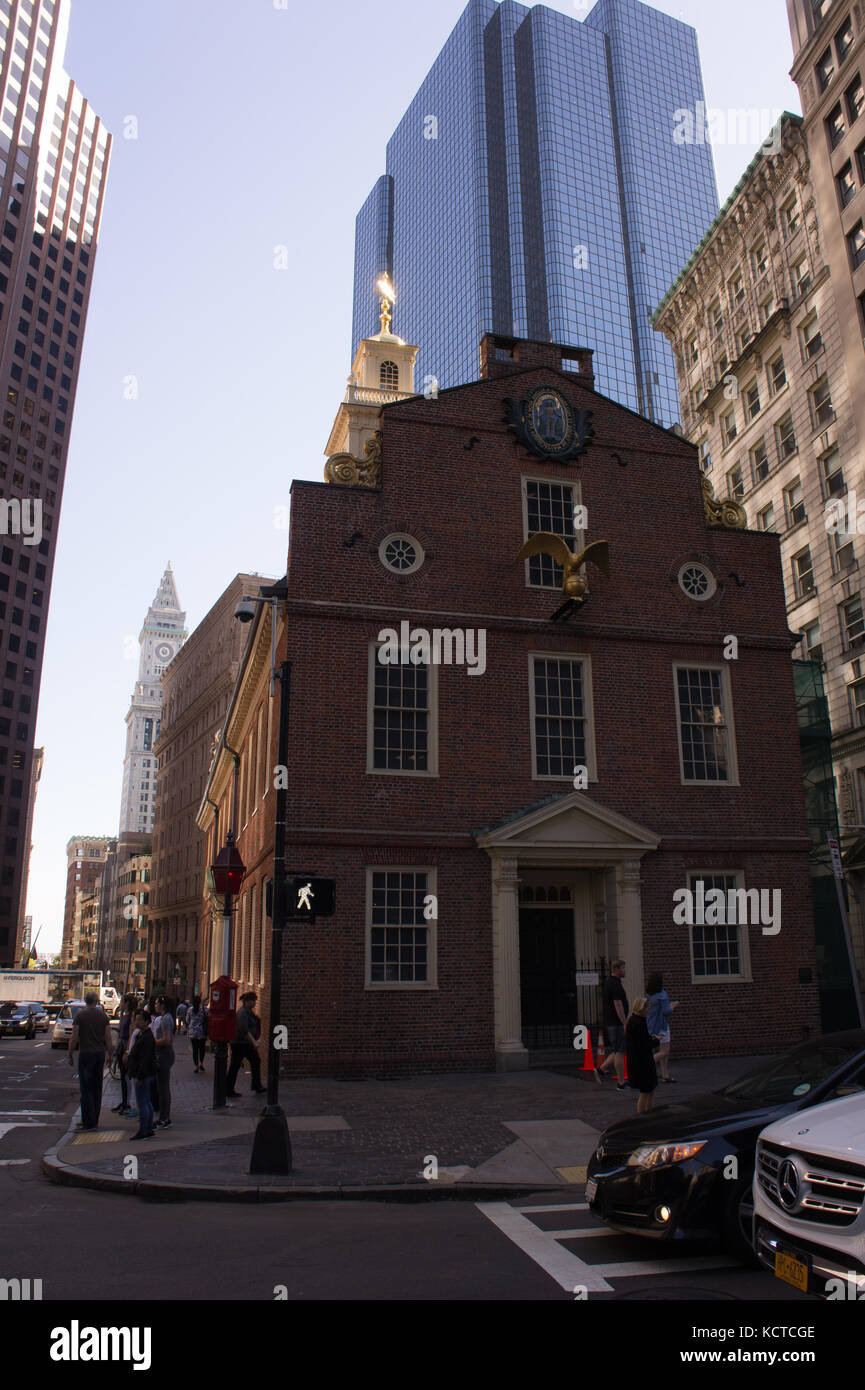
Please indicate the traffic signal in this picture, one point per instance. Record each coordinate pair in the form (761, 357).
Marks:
(312, 897)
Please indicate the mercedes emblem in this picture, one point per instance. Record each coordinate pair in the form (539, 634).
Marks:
(788, 1184)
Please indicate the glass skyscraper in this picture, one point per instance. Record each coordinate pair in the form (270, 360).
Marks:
(534, 189)
(54, 153)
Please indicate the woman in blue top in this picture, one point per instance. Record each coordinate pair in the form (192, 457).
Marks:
(658, 1020)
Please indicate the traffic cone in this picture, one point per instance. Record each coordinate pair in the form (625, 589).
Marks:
(588, 1059)
(601, 1055)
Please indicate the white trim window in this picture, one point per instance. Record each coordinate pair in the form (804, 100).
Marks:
(562, 723)
(704, 722)
(401, 947)
(401, 718)
(549, 506)
(719, 950)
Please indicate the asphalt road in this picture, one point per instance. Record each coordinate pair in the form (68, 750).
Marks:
(539, 1248)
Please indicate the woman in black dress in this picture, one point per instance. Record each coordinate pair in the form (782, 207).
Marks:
(638, 1051)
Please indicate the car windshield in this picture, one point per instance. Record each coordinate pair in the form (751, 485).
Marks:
(9, 1010)
(792, 1076)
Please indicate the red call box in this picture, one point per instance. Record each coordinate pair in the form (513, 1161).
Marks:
(222, 1009)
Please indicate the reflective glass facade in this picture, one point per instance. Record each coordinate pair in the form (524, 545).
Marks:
(534, 189)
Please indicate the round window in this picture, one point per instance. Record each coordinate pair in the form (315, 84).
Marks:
(696, 581)
(401, 554)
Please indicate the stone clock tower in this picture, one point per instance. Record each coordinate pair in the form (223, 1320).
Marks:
(161, 637)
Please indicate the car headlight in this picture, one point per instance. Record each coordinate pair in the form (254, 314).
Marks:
(658, 1155)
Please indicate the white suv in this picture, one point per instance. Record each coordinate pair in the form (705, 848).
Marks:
(809, 1199)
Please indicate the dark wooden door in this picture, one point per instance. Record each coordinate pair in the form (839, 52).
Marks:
(547, 965)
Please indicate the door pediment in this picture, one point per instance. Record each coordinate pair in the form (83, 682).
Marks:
(572, 829)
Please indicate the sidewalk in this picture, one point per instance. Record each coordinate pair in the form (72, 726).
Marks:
(488, 1132)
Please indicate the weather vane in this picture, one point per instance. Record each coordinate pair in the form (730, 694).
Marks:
(385, 289)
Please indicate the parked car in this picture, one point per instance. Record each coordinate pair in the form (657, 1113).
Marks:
(21, 1020)
(64, 1022)
(809, 1198)
(662, 1174)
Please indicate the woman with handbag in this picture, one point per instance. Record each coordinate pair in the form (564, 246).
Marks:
(196, 1029)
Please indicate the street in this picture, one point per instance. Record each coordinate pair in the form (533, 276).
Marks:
(538, 1247)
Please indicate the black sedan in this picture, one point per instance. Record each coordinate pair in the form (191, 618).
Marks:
(22, 1020)
(684, 1172)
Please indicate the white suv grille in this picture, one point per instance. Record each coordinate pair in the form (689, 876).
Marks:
(811, 1188)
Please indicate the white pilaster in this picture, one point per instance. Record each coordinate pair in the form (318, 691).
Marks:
(511, 1055)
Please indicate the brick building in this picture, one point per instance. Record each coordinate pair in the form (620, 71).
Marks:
(196, 690)
(472, 879)
(85, 861)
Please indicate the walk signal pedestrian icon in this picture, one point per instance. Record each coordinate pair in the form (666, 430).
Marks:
(304, 895)
(311, 898)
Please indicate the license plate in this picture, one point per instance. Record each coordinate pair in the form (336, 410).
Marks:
(792, 1271)
(591, 1189)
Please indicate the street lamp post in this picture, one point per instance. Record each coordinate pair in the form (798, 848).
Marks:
(228, 871)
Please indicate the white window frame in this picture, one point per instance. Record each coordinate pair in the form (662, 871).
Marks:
(577, 501)
(591, 762)
(432, 728)
(732, 779)
(431, 982)
(746, 977)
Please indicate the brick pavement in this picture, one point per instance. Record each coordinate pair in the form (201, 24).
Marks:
(372, 1133)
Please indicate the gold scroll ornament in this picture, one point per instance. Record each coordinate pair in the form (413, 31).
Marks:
(727, 513)
(348, 471)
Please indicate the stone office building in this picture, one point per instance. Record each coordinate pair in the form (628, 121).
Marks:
(490, 825)
(765, 394)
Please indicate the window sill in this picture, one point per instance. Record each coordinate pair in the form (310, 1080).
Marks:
(722, 979)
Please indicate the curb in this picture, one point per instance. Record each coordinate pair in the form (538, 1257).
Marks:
(70, 1175)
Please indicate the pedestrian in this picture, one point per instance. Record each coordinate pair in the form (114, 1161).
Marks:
(141, 1066)
(182, 1010)
(123, 1044)
(615, 1018)
(163, 1034)
(196, 1027)
(641, 1061)
(245, 1045)
(92, 1036)
(658, 1021)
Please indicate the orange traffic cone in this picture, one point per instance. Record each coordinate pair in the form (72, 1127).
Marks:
(601, 1055)
(588, 1059)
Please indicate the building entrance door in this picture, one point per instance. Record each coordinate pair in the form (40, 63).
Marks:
(547, 982)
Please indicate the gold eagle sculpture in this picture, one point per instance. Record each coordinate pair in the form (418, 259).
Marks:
(574, 584)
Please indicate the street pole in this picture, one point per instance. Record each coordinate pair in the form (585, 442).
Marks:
(220, 1054)
(271, 1148)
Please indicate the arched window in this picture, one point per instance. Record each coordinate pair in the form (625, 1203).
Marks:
(541, 895)
(565, 895)
(553, 895)
(389, 376)
(528, 895)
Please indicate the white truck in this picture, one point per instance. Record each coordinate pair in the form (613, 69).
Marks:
(56, 986)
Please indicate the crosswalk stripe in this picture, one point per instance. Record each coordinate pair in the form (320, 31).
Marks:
(28, 1124)
(678, 1265)
(558, 1206)
(566, 1269)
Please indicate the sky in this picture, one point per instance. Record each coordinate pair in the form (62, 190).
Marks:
(247, 135)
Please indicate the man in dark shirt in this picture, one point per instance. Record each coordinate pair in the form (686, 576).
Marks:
(615, 1018)
(247, 1031)
(92, 1036)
